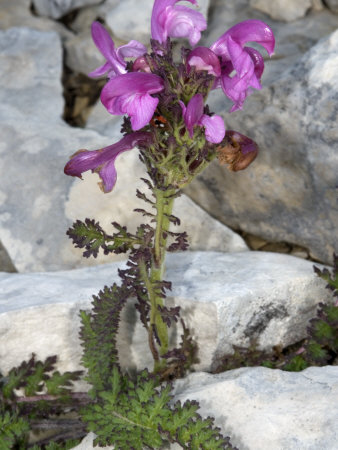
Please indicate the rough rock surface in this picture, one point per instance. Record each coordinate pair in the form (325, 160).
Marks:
(226, 300)
(30, 68)
(58, 8)
(17, 13)
(289, 193)
(81, 53)
(35, 146)
(283, 10)
(267, 409)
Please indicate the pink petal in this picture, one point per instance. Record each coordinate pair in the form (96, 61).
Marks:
(205, 59)
(244, 32)
(214, 128)
(141, 109)
(193, 112)
(130, 94)
(257, 59)
(176, 21)
(103, 160)
(80, 162)
(102, 40)
(131, 50)
(183, 22)
(132, 83)
(100, 71)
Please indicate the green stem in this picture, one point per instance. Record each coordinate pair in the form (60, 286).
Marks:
(164, 205)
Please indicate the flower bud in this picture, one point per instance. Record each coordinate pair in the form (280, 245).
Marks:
(141, 65)
(236, 150)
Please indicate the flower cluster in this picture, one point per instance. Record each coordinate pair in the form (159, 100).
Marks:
(165, 100)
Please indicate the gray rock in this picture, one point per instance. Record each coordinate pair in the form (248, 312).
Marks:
(267, 409)
(332, 5)
(17, 13)
(82, 54)
(58, 8)
(289, 193)
(283, 10)
(226, 300)
(31, 69)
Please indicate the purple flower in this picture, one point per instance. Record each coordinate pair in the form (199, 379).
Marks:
(241, 67)
(102, 161)
(193, 115)
(247, 62)
(115, 64)
(130, 94)
(169, 20)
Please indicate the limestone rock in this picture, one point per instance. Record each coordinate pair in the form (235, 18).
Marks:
(82, 54)
(16, 13)
(226, 299)
(30, 69)
(284, 10)
(289, 193)
(58, 8)
(267, 409)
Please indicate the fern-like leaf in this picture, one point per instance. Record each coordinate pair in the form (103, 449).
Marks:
(98, 334)
(13, 430)
(139, 415)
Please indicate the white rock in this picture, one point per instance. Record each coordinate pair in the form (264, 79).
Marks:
(58, 8)
(226, 300)
(30, 70)
(285, 10)
(17, 13)
(267, 409)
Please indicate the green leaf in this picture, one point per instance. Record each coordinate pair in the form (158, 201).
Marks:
(317, 352)
(13, 429)
(296, 364)
(98, 334)
(322, 330)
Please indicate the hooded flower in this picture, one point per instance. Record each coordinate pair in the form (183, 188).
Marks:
(245, 62)
(115, 64)
(102, 161)
(205, 59)
(130, 94)
(193, 115)
(170, 20)
(241, 67)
